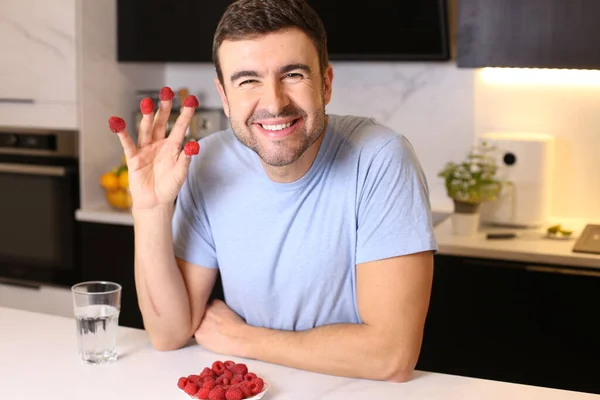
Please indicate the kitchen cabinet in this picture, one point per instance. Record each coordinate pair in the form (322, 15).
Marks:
(38, 70)
(44, 299)
(108, 254)
(514, 322)
(533, 34)
(142, 27)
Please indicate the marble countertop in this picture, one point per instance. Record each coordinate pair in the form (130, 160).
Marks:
(39, 360)
(529, 245)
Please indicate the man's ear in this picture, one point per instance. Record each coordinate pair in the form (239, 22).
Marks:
(224, 101)
(328, 84)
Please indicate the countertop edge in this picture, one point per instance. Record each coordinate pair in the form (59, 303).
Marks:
(104, 215)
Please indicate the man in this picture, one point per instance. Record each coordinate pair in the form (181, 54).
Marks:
(318, 224)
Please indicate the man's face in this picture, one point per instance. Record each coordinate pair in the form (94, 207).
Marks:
(274, 94)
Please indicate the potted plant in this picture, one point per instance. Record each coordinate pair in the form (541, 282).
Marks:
(469, 184)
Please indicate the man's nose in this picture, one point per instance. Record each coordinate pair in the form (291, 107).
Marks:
(275, 98)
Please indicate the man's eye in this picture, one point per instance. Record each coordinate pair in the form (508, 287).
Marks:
(294, 76)
(247, 81)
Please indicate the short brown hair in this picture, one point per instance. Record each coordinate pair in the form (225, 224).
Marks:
(245, 19)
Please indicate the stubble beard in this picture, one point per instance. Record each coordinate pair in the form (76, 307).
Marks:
(281, 152)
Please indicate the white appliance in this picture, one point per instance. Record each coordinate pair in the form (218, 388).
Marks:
(525, 162)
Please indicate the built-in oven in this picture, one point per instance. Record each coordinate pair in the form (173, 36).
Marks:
(39, 193)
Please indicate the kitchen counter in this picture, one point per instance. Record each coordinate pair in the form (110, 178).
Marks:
(39, 360)
(530, 245)
(104, 214)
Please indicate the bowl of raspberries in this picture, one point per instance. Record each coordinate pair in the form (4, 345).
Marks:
(223, 380)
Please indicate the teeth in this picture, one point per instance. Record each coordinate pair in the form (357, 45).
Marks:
(277, 127)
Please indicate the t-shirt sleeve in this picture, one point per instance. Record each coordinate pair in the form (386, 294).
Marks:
(394, 212)
(192, 238)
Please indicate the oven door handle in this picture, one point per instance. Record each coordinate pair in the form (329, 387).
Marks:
(32, 169)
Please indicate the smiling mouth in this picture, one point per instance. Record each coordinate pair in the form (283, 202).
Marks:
(279, 127)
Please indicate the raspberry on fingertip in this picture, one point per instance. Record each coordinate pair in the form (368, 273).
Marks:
(166, 94)
(146, 105)
(191, 148)
(191, 101)
(116, 124)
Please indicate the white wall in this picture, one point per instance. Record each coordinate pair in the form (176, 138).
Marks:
(432, 104)
(564, 103)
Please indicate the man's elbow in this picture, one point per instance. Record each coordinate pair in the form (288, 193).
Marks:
(166, 343)
(400, 367)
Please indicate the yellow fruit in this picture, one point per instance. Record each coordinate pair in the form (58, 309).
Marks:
(109, 181)
(124, 180)
(119, 198)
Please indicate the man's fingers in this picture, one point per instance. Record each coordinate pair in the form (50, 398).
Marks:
(117, 125)
(181, 169)
(162, 115)
(183, 121)
(145, 132)
(128, 146)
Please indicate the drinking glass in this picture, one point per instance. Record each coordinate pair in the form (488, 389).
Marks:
(97, 305)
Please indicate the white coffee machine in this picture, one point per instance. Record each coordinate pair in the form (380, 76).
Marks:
(525, 162)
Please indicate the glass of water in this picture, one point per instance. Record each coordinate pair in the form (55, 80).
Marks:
(97, 305)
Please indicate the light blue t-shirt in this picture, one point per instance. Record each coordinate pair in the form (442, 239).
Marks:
(287, 252)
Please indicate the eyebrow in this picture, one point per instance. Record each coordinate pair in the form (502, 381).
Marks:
(282, 70)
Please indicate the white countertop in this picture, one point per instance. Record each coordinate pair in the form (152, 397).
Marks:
(38, 354)
(530, 245)
(104, 214)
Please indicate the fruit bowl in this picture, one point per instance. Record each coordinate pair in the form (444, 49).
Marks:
(223, 380)
(116, 187)
(255, 397)
(118, 198)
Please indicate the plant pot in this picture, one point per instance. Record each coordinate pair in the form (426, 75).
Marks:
(465, 219)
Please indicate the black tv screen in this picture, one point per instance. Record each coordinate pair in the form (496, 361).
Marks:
(385, 29)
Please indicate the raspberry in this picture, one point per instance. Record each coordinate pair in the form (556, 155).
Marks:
(207, 373)
(191, 388)
(166, 93)
(229, 364)
(250, 377)
(146, 105)
(192, 148)
(239, 376)
(182, 382)
(234, 393)
(203, 393)
(116, 124)
(217, 393)
(227, 374)
(193, 378)
(245, 388)
(235, 381)
(239, 369)
(191, 101)
(209, 383)
(256, 386)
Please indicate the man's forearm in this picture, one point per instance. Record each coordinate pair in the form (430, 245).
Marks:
(351, 350)
(162, 295)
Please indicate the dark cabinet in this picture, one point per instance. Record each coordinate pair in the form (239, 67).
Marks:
(183, 30)
(167, 31)
(529, 33)
(514, 322)
(107, 253)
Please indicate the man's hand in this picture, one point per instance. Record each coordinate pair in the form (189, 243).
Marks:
(221, 330)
